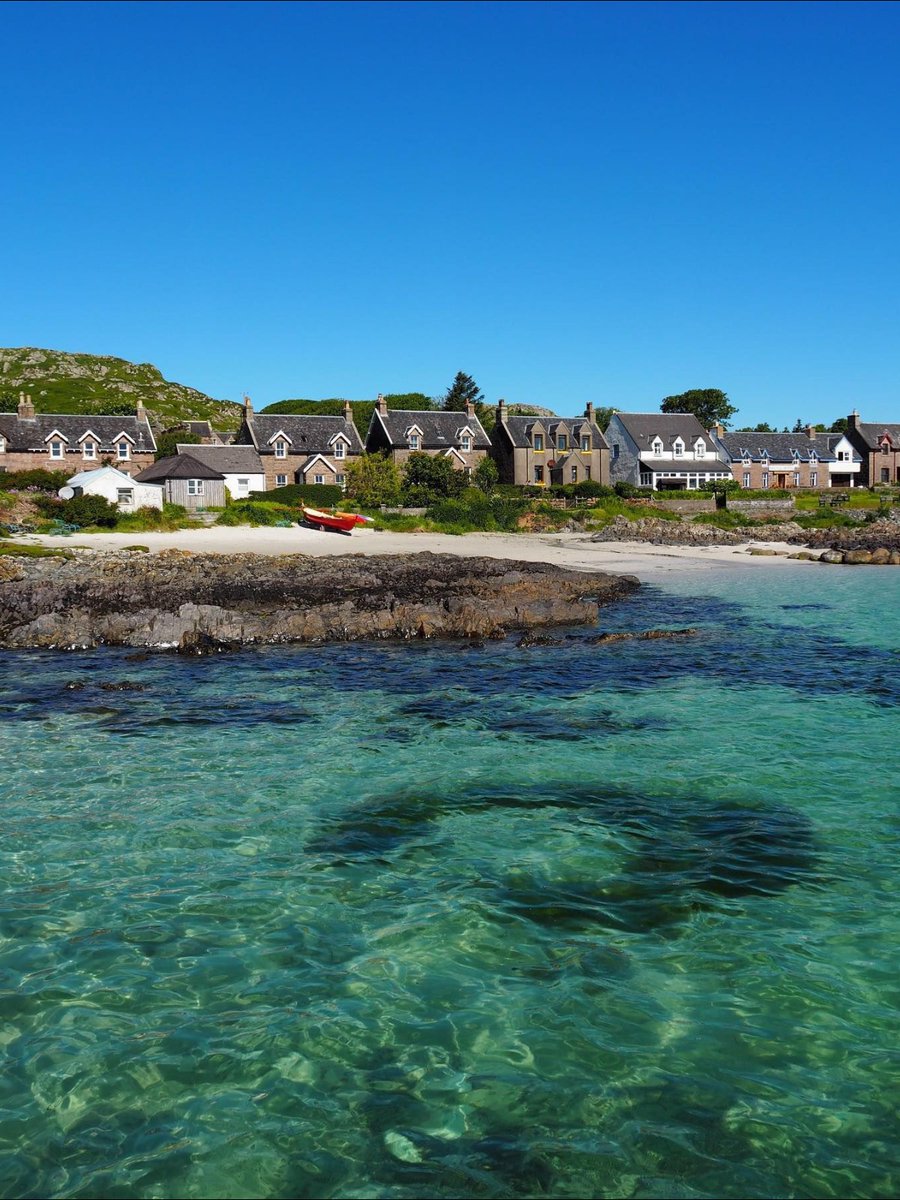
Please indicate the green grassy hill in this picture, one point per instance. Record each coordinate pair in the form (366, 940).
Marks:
(93, 383)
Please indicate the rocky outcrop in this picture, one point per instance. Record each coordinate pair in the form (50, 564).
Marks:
(687, 533)
(875, 535)
(208, 603)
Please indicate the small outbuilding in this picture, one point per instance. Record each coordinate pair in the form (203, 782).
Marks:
(240, 465)
(125, 491)
(187, 481)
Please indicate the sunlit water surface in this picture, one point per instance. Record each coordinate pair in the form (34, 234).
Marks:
(402, 920)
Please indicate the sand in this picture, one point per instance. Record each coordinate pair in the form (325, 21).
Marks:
(564, 549)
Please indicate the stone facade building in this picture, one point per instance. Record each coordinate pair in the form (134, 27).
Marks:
(301, 448)
(542, 450)
(878, 445)
(74, 442)
(788, 460)
(398, 432)
(663, 450)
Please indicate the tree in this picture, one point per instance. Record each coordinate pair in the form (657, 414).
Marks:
(464, 390)
(373, 479)
(840, 425)
(799, 426)
(603, 416)
(167, 443)
(708, 405)
(485, 475)
(762, 427)
(428, 477)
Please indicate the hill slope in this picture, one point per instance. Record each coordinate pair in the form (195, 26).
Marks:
(86, 383)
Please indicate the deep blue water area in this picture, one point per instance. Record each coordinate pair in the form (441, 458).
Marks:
(453, 919)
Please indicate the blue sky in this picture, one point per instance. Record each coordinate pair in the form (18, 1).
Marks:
(570, 202)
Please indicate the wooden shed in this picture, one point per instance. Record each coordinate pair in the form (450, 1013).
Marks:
(187, 481)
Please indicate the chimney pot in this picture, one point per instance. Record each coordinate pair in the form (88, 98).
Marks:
(382, 405)
(589, 411)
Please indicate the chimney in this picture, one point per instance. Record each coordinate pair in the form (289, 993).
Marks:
(810, 431)
(718, 430)
(26, 408)
(853, 420)
(470, 410)
(348, 411)
(248, 406)
(501, 410)
(381, 405)
(140, 412)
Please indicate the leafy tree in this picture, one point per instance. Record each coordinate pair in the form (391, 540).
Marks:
(841, 425)
(799, 426)
(464, 390)
(485, 475)
(373, 479)
(167, 443)
(428, 477)
(762, 427)
(603, 416)
(708, 405)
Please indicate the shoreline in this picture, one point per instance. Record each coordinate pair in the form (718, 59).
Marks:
(574, 551)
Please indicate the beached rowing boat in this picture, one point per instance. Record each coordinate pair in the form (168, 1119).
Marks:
(342, 522)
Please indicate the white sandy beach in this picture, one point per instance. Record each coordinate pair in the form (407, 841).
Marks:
(573, 550)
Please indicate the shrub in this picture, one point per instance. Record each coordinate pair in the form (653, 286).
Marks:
(485, 475)
(38, 479)
(319, 495)
(80, 510)
(629, 492)
(248, 512)
(591, 488)
(373, 480)
(431, 475)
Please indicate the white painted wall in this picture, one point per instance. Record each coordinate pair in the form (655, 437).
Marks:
(110, 483)
(239, 489)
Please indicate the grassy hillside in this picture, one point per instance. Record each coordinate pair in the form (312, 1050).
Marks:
(362, 409)
(92, 383)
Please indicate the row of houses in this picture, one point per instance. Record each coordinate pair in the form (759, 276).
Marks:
(656, 450)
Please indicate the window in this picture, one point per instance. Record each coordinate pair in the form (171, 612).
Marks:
(615, 450)
(657, 448)
(585, 445)
(885, 475)
(843, 455)
(340, 450)
(796, 479)
(466, 443)
(574, 474)
(340, 480)
(562, 442)
(56, 449)
(587, 472)
(746, 482)
(678, 448)
(318, 479)
(122, 450)
(700, 449)
(885, 447)
(765, 479)
(538, 474)
(281, 448)
(539, 442)
(281, 480)
(89, 450)
(195, 487)
(2, 445)
(124, 496)
(413, 441)
(813, 479)
(646, 479)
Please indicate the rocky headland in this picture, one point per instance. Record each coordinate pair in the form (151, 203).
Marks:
(200, 603)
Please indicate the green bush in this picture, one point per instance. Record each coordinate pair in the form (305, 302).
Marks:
(38, 479)
(474, 511)
(317, 495)
(248, 512)
(80, 510)
(629, 492)
(592, 489)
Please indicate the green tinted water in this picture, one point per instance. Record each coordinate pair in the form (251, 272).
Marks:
(400, 921)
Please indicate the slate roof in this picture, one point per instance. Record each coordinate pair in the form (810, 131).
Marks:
(230, 460)
(872, 433)
(308, 434)
(177, 466)
(665, 466)
(643, 428)
(440, 430)
(520, 429)
(25, 434)
(775, 447)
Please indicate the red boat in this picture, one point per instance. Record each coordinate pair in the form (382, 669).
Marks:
(341, 522)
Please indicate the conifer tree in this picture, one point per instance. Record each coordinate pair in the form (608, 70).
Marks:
(463, 390)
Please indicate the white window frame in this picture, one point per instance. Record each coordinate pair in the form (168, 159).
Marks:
(89, 451)
(465, 443)
(765, 479)
(656, 447)
(2, 444)
(124, 495)
(318, 479)
(575, 474)
(340, 479)
(123, 451)
(281, 481)
(57, 450)
(340, 450)
(414, 442)
(796, 479)
(678, 448)
(281, 448)
(699, 449)
(813, 479)
(195, 487)
(586, 443)
(746, 482)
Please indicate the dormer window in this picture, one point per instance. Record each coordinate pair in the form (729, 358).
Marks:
(699, 448)
(585, 443)
(678, 448)
(885, 447)
(465, 443)
(413, 441)
(2, 444)
(813, 457)
(123, 451)
(340, 450)
(281, 448)
(562, 442)
(89, 450)
(57, 449)
(656, 447)
(539, 442)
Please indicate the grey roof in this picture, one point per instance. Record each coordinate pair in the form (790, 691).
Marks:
(775, 447)
(872, 433)
(440, 430)
(227, 459)
(520, 429)
(307, 434)
(833, 438)
(177, 466)
(31, 433)
(644, 427)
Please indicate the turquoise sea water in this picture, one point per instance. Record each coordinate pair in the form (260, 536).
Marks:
(390, 921)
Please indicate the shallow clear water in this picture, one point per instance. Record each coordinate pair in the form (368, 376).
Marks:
(411, 920)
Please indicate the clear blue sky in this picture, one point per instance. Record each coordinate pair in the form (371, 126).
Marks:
(570, 202)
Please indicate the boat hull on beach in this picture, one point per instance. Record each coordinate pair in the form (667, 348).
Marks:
(339, 522)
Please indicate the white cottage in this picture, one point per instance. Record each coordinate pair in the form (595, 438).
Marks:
(241, 466)
(115, 486)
